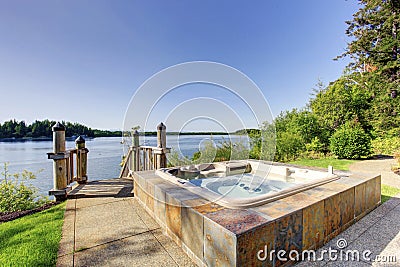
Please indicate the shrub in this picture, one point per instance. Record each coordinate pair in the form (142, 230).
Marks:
(386, 145)
(350, 142)
(176, 159)
(288, 146)
(222, 151)
(315, 145)
(15, 195)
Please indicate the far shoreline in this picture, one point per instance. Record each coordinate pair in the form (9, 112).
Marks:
(72, 138)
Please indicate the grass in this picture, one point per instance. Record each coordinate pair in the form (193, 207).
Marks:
(338, 164)
(388, 192)
(32, 240)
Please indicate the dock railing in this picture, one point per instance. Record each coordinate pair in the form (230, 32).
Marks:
(69, 165)
(145, 158)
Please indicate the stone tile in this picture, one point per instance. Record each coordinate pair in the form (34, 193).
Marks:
(149, 191)
(370, 196)
(165, 186)
(159, 204)
(351, 180)
(251, 242)
(202, 206)
(192, 230)
(313, 226)
(173, 215)
(276, 209)
(138, 250)
(145, 175)
(102, 223)
(378, 190)
(289, 234)
(181, 194)
(320, 193)
(219, 245)
(359, 200)
(346, 208)
(155, 181)
(237, 221)
(135, 187)
(138, 192)
(140, 180)
(286, 205)
(336, 187)
(332, 221)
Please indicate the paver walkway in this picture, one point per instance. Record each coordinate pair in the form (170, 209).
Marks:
(382, 166)
(105, 226)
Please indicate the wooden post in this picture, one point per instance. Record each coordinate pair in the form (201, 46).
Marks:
(161, 143)
(135, 151)
(81, 160)
(59, 157)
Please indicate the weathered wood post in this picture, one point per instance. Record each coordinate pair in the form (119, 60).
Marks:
(81, 160)
(135, 151)
(59, 157)
(161, 143)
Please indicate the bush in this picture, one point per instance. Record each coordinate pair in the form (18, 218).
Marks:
(315, 145)
(175, 159)
(288, 146)
(386, 145)
(223, 151)
(350, 142)
(15, 195)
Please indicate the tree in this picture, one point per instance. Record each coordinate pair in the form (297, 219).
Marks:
(286, 138)
(374, 50)
(375, 44)
(342, 101)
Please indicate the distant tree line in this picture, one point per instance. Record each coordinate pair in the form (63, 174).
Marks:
(19, 129)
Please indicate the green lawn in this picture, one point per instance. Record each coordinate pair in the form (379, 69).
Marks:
(387, 192)
(338, 164)
(32, 240)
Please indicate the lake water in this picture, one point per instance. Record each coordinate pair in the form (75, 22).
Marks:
(104, 156)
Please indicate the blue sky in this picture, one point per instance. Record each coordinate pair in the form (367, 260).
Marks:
(83, 60)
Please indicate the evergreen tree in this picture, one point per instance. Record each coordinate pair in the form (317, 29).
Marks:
(374, 50)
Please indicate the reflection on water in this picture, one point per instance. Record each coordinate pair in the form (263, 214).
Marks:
(103, 159)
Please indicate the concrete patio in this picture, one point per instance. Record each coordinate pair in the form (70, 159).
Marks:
(105, 226)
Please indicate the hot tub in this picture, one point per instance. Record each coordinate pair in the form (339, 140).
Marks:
(245, 184)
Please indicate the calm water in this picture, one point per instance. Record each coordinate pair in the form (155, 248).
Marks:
(103, 159)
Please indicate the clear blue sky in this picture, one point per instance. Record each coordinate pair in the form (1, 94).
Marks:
(83, 60)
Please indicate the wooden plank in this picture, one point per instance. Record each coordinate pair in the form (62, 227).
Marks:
(125, 165)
